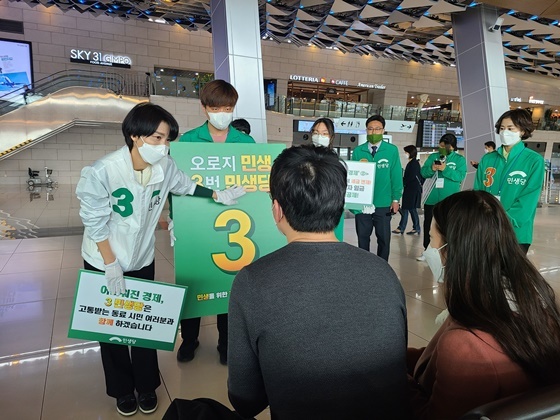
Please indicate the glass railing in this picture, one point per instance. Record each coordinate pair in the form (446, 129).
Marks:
(552, 124)
(342, 109)
(130, 84)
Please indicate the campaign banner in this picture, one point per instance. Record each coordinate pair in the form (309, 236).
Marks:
(359, 188)
(146, 315)
(215, 241)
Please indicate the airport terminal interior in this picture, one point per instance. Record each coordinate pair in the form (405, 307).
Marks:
(90, 62)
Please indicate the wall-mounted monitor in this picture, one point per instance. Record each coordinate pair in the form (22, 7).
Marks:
(303, 126)
(429, 133)
(16, 65)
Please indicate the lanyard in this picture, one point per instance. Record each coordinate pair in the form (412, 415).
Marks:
(506, 169)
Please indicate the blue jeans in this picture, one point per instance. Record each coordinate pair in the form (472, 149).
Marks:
(404, 219)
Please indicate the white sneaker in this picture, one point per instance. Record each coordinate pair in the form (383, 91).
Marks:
(421, 258)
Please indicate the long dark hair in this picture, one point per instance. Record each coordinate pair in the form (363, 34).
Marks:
(484, 267)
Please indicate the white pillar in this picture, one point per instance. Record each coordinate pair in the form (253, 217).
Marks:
(482, 78)
(236, 41)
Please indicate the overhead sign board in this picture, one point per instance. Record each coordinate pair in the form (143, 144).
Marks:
(99, 58)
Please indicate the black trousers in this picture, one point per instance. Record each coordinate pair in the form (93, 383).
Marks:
(381, 220)
(127, 369)
(190, 328)
(428, 215)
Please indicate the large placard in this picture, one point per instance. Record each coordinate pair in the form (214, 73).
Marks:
(215, 241)
(146, 315)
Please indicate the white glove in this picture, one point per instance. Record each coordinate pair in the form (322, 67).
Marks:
(170, 228)
(228, 197)
(114, 277)
(368, 209)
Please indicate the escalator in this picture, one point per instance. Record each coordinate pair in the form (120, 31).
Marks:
(62, 101)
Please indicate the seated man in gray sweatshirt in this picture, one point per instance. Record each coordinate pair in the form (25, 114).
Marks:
(317, 329)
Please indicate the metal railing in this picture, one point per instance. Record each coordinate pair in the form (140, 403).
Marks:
(343, 109)
(130, 84)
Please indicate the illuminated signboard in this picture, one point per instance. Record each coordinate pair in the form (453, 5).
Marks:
(299, 78)
(535, 101)
(99, 58)
(516, 99)
(338, 82)
(371, 85)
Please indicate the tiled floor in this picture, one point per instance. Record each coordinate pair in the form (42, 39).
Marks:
(45, 375)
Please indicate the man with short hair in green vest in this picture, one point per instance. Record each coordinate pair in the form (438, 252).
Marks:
(218, 99)
(450, 169)
(387, 190)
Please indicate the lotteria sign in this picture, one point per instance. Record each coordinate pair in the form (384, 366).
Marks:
(99, 58)
(338, 82)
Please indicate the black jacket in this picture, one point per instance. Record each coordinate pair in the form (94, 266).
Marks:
(412, 182)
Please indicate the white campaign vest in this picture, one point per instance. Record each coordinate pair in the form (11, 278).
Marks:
(115, 206)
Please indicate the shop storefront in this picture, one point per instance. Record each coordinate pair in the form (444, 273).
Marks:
(325, 97)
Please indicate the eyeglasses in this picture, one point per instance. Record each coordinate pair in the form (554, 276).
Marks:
(376, 129)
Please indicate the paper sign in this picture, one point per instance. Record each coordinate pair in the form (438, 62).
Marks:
(359, 189)
(147, 315)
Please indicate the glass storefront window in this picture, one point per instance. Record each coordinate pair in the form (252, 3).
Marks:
(179, 83)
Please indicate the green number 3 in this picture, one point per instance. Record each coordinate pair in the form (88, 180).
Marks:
(124, 203)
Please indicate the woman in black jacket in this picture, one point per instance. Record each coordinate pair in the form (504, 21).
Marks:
(412, 193)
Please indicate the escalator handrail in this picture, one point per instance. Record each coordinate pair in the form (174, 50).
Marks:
(63, 73)
(113, 81)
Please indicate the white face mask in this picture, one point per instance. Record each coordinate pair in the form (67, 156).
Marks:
(319, 140)
(509, 138)
(220, 120)
(433, 258)
(152, 154)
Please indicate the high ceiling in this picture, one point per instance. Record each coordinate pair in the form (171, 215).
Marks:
(418, 30)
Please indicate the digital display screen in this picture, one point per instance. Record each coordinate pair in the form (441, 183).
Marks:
(16, 69)
(303, 126)
(430, 132)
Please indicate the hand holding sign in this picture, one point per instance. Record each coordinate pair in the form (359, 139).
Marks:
(229, 197)
(114, 277)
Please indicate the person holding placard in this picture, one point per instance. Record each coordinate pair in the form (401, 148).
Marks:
(388, 187)
(318, 327)
(218, 99)
(121, 199)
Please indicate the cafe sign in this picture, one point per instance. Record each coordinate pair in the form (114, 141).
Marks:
(371, 86)
(99, 58)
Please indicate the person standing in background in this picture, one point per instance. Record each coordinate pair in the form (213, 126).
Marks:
(450, 169)
(241, 124)
(388, 187)
(322, 132)
(514, 174)
(412, 193)
(218, 99)
(489, 147)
